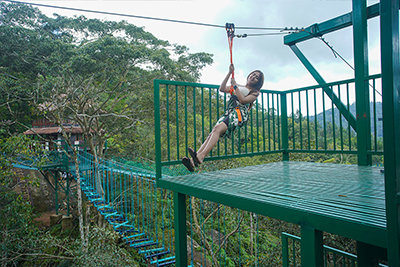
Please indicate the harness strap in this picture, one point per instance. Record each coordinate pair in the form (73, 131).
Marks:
(239, 114)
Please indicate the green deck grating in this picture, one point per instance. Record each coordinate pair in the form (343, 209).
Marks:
(347, 200)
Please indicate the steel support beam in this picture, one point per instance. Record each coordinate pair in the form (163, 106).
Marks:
(369, 255)
(390, 65)
(180, 229)
(157, 129)
(312, 247)
(357, 231)
(329, 92)
(328, 26)
(360, 40)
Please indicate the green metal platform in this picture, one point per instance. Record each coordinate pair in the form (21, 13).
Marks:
(346, 200)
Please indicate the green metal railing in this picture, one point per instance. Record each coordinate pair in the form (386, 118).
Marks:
(334, 129)
(332, 256)
(185, 113)
(315, 119)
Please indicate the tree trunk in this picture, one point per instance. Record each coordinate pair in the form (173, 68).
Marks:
(97, 176)
(79, 193)
(251, 233)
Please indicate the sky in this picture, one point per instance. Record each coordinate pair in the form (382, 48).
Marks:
(281, 67)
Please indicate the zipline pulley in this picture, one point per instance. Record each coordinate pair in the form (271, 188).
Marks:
(230, 30)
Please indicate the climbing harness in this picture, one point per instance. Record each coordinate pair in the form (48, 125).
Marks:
(234, 104)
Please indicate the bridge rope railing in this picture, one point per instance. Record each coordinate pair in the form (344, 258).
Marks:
(143, 215)
(129, 200)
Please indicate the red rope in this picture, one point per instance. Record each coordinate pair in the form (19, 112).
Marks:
(230, 30)
(230, 41)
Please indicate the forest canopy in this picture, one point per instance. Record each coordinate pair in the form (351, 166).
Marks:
(96, 73)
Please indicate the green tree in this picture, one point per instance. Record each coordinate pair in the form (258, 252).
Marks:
(17, 230)
(95, 73)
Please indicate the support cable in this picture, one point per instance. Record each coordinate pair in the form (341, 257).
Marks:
(336, 54)
(282, 29)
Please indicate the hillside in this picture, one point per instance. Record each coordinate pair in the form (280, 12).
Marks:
(328, 117)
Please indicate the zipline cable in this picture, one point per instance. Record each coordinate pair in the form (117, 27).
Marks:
(145, 17)
(260, 34)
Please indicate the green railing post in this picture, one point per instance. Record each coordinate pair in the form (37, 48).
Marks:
(311, 247)
(285, 132)
(362, 89)
(307, 64)
(369, 255)
(285, 250)
(157, 128)
(180, 229)
(390, 65)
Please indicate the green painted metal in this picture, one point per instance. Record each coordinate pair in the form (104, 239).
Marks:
(58, 187)
(157, 127)
(360, 41)
(331, 215)
(285, 133)
(273, 132)
(327, 89)
(347, 259)
(180, 229)
(328, 26)
(285, 250)
(311, 247)
(297, 192)
(293, 135)
(183, 128)
(389, 22)
(369, 255)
